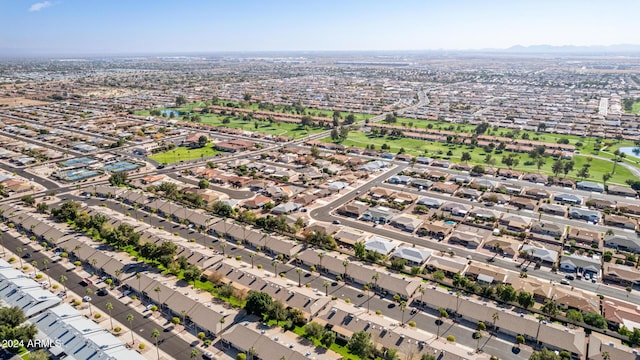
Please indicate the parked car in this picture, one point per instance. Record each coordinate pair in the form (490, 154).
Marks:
(565, 282)
(86, 298)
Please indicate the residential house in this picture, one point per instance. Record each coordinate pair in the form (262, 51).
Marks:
(623, 242)
(523, 203)
(354, 209)
(620, 221)
(566, 198)
(553, 209)
(546, 256)
(620, 274)
(621, 191)
(590, 186)
(415, 256)
(584, 214)
(430, 202)
(380, 215)
(380, 245)
(406, 222)
(580, 263)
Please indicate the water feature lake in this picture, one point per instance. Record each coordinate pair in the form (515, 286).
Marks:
(631, 151)
(169, 111)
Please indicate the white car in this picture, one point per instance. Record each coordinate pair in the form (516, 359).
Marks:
(86, 299)
(44, 284)
(150, 306)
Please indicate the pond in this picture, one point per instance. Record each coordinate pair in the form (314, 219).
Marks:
(631, 151)
(169, 111)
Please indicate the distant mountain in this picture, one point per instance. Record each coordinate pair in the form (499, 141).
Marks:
(620, 48)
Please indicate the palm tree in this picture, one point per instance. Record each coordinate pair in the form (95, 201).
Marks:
(252, 256)
(274, 263)
(366, 289)
(139, 276)
(422, 290)
(184, 316)
(495, 317)
(158, 290)
(45, 262)
(403, 307)
(109, 307)
(478, 334)
(34, 263)
(19, 252)
(442, 313)
(223, 245)
(345, 263)
(375, 278)
(496, 248)
(118, 273)
(155, 334)
(88, 291)
(62, 279)
(194, 353)
(252, 353)
(326, 285)
(299, 271)
(130, 320)
(320, 256)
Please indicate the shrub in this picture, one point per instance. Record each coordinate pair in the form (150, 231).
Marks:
(176, 234)
(347, 300)
(141, 346)
(201, 335)
(134, 297)
(412, 323)
(378, 312)
(307, 285)
(259, 266)
(312, 268)
(207, 342)
(76, 302)
(175, 320)
(12, 259)
(25, 267)
(241, 356)
(117, 329)
(97, 316)
(282, 275)
(451, 338)
(334, 297)
(77, 263)
(64, 255)
(38, 276)
(238, 257)
(154, 308)
(192, 240)
(55, 286)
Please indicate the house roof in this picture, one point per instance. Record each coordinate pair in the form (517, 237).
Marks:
(414, 254)
(380, 245)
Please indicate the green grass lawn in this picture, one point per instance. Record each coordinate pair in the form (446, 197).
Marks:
(635, 108)
(183, 153)
(342, 350)
(467, 128)
(439, 150)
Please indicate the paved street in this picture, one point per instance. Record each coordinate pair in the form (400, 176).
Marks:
(170, 343)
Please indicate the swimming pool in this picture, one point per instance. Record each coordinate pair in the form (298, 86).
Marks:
(449, 222)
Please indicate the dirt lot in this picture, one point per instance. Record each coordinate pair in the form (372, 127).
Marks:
(19, 101)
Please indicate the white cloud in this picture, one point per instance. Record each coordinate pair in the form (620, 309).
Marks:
(39, 6)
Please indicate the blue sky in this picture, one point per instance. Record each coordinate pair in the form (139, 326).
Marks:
(141, 26)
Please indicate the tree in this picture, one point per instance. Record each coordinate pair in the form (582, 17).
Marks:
(507, 293)
(326, 285)
(62, 280)
(258, 303)
(557, 167)
(42, 208)
(480, 327)
(130, 320)
(88, 292)
(465, 157)
(155, 334)
(520, 340)
(299, 272)
(606, 177)
(328, 338)
(583, 173)
(157, 289)
(525, 299)
(438, 275)
(194, 353)
(109, 307)
(28, 200)
(118, 179)
(391, 354)
(544, 354)
(568, 166)
(428, 357)
(550, 308)
(634, 338)
(277, 311)
(345, 264)
(313, 330)
(203, 184)
(360, 344)
(575, 315)
(595, 320)
(360, 250)
(38, 355)
(442, 314)
(403, 308)
(180, 100)
(540, 162)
